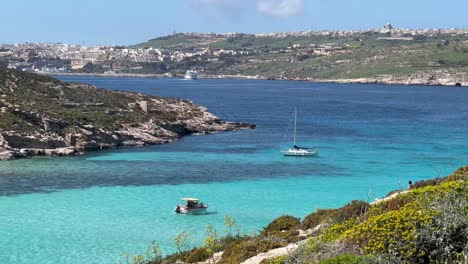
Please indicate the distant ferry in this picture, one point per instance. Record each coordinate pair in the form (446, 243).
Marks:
(191, 75)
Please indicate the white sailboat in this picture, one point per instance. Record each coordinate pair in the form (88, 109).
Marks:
(296, 150)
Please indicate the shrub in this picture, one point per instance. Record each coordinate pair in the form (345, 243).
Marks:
(335, 232)
(231, 224)
(460, 174)
(358, 259)
(227, 240)
(346, 259)
(391, 232)
(212, 241)
(319, 217)
(152, 255)
(241, 251)
(277, 260)
(423, 195)
(397, 203)
(181, 241)
(200, 254)
(445, 240)
(316, 250)
(351, 210)
(430, 182)
(173, 258)
(282, 223)
(286, 236)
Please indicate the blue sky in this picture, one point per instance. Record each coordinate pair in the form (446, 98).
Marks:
(129, 22)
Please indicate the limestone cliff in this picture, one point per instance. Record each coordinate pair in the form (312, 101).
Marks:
(43, 116)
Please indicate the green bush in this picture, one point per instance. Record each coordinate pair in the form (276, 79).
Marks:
(282, 223)
(346, 259)
(393, 231)
(424, 225)
(425, 228)
(445, 240)
(358, 259)
(227, 240)
(240, 251)
(351, 210)
(277, 260)
(319, 217)
(200, 254)
(430, 182)
(460, 174)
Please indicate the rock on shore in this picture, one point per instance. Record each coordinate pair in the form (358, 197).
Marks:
(40, 115)
(439, 78)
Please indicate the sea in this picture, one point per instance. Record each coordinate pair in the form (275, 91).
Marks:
(103, 206)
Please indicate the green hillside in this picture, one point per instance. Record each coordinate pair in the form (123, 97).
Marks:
(164, 42)
(432, 59)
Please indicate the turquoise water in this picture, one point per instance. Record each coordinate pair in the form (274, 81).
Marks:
(97, 207)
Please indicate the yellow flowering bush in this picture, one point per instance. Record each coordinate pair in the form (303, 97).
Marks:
(393, 232)
(422, 195)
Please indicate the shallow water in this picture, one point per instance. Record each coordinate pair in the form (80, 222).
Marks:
(97, 207)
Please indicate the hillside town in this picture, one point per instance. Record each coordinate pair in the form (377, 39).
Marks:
(60, 57)
(146, 58)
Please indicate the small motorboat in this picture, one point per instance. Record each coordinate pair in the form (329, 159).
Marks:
(193, 206)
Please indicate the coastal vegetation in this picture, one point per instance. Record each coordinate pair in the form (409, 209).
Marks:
(426, 224)
(40, 115)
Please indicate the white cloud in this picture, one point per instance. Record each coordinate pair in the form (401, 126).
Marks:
(280, 8)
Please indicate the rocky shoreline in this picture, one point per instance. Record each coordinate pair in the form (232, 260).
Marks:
(437, 79)
(42, 144)
(43, 116)
(431, 80)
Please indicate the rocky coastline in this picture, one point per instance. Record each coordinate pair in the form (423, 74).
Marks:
(416, 79)
(437, 79)
(40, 115)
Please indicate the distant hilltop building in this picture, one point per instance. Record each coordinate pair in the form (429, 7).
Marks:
(388, 26)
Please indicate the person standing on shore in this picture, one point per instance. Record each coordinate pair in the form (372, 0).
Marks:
(410, 185)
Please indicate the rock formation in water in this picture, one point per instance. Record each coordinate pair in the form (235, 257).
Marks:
(43, 116)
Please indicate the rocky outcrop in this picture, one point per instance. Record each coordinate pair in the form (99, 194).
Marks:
(43, 116)
(436, 78)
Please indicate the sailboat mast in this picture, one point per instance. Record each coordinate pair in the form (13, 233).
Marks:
(295, 121)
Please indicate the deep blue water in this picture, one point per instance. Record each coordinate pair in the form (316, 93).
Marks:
(371, 139)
